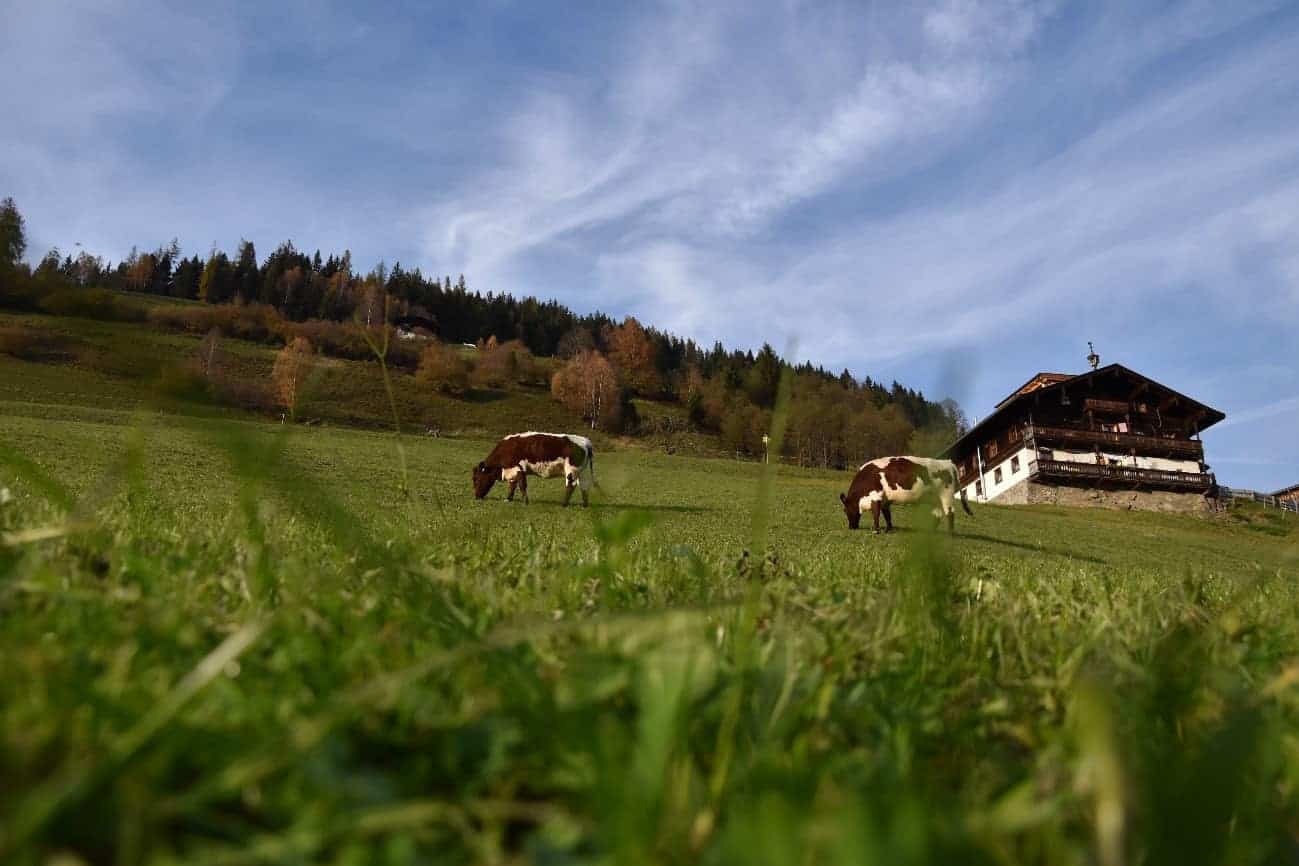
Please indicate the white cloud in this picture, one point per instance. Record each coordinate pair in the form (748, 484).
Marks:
(682, 142)
(1284, 406)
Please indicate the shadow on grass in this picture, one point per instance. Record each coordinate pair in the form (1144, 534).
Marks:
(1035, 548)
(483, 395)
(975, 536)
(670, 509)
(610, 506)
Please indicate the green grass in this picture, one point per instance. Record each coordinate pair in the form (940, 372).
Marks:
(227, 641)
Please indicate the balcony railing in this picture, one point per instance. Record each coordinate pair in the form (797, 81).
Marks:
(1188, 481)
(1109, 407)
(1190, 449)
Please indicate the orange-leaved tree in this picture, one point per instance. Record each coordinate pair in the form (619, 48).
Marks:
(292, 365)
(443, 368)
(632, 352)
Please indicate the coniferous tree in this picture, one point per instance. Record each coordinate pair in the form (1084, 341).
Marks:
(13, 234)
(246, 275)
(217, 284)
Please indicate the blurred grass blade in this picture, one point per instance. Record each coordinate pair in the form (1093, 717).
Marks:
(43, 804)
(1100, 769)
(40, 533)
(45, 484)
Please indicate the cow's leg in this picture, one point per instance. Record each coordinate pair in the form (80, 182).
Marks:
(509, 497)
(569, 484)
(523, 486)
(947, 503)
(888, 516)
(875, 514)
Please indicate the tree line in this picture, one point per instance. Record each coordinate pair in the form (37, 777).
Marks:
(835, 418)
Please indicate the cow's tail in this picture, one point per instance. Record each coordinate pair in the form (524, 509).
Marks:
(590, 461)
(965, 503)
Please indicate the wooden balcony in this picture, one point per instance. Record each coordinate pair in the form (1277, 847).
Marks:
(1147, 446)
(1106, 407)
(1127, 476)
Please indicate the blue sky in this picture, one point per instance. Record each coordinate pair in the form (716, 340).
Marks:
(955, 195)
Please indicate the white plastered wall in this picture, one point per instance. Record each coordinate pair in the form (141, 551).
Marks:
(992, 488)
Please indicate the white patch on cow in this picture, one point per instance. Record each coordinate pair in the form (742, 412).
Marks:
(546, 468)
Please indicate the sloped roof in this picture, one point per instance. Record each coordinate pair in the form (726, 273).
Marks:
(1040, 380)
(1211, 416)
(1293, 488)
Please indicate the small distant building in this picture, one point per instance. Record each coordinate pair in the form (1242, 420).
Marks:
(1108, 437)
(1289, 494)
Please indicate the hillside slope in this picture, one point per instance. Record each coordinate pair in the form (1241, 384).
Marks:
(115, 365)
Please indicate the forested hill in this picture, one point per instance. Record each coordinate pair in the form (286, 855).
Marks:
(728, 391)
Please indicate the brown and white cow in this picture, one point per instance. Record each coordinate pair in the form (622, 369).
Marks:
(887, 480)
(546, 455)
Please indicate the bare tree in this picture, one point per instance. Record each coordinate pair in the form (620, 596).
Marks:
(209, 354)
(588, 386)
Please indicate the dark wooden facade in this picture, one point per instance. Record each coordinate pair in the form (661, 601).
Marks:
(1112, 412)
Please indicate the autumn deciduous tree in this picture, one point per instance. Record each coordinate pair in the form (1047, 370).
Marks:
(632, 352)
(442, 368)
(502, 363)
(691, 394)
(209, 354)
(588, 386)
(292, 365)
(139, 275)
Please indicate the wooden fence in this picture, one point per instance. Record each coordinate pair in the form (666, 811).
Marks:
(1233, 493)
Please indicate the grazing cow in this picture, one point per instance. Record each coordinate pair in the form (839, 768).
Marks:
(882, 482)
(547, 455)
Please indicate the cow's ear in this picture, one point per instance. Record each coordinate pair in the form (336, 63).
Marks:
(482, 466)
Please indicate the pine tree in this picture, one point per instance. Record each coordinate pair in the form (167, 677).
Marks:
(13, 234)
(764, 377)
(217, 284)
(246, 276)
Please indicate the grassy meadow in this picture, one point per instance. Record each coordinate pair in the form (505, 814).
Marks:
(232, 642)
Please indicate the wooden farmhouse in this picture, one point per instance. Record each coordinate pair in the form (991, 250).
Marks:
(1108, 437)
(1288, 494)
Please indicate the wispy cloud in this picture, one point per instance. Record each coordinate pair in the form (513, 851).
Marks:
(1285, 406)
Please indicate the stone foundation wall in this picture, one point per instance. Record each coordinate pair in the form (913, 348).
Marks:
(1017, 495)
(1035, 493)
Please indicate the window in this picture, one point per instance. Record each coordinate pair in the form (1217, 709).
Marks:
(1014, 464)
(996, 475)
(1016, 434)
(978, 488)
(992, 448)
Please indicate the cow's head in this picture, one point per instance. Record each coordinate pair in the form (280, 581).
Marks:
(484, 478)
(851, 508)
